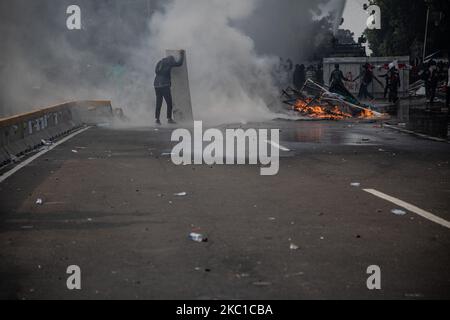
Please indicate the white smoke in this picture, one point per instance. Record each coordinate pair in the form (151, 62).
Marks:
(229, 81)
(233, 50)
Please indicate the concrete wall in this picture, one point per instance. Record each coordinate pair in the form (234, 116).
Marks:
(351, 67)
(23, 133)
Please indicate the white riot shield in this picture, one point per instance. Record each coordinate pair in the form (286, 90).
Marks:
(181, 94)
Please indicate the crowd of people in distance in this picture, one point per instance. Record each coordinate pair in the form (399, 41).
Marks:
(432, 73)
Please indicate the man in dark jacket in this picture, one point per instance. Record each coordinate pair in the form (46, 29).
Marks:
(387, 84)
(337, 84)
(299, 76)
(394, 84)
(367, 77)
(163, 85)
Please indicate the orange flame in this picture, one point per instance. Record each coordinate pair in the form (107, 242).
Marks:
(365, 113)
(317, 111)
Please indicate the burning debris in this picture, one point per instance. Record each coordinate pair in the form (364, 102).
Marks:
(314, 109)
(317, 102)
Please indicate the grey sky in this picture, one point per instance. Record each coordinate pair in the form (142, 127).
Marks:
(355, 17)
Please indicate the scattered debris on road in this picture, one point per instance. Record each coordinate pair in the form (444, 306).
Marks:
(355, 184)
(398, 212)
(46, 143)
(294, 247)
(39, 201)
(181, 194)
(197, 237)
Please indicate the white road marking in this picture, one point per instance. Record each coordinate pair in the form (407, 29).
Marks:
(276, 145)
(23, 164)
(410, 207)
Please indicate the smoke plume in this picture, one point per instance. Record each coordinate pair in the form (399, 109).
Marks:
(233, 50)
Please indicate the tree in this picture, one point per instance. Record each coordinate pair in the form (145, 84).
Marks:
(403, 27)
(345, 36)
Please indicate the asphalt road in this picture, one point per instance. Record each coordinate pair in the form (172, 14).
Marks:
(110, 208)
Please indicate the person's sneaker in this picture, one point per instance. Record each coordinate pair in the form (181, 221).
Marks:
(158, 122)
(171, 121)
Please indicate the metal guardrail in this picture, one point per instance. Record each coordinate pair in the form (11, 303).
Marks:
(25, 132)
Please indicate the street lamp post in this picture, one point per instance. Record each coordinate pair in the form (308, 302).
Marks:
(428, 4)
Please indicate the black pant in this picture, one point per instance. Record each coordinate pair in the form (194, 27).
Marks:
(386, 90)
(433, 89)
(364, 92)
(163, 93)
(393, 95)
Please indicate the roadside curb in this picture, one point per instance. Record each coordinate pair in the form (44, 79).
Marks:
(417, 134)
(26, 132)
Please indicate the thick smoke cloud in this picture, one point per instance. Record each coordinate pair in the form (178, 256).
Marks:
(286, 28)
(233, 47)
(228, 80)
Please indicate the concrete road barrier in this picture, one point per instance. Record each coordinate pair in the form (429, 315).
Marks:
(25, 132)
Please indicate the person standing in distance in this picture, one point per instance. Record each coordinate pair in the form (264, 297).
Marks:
(163, 84)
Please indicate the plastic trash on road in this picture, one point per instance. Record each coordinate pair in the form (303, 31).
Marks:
(197, 237)
(398, 212)
(46, 142)
(294, 247)
(355, 184)
(39, 202)
(181, 194)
